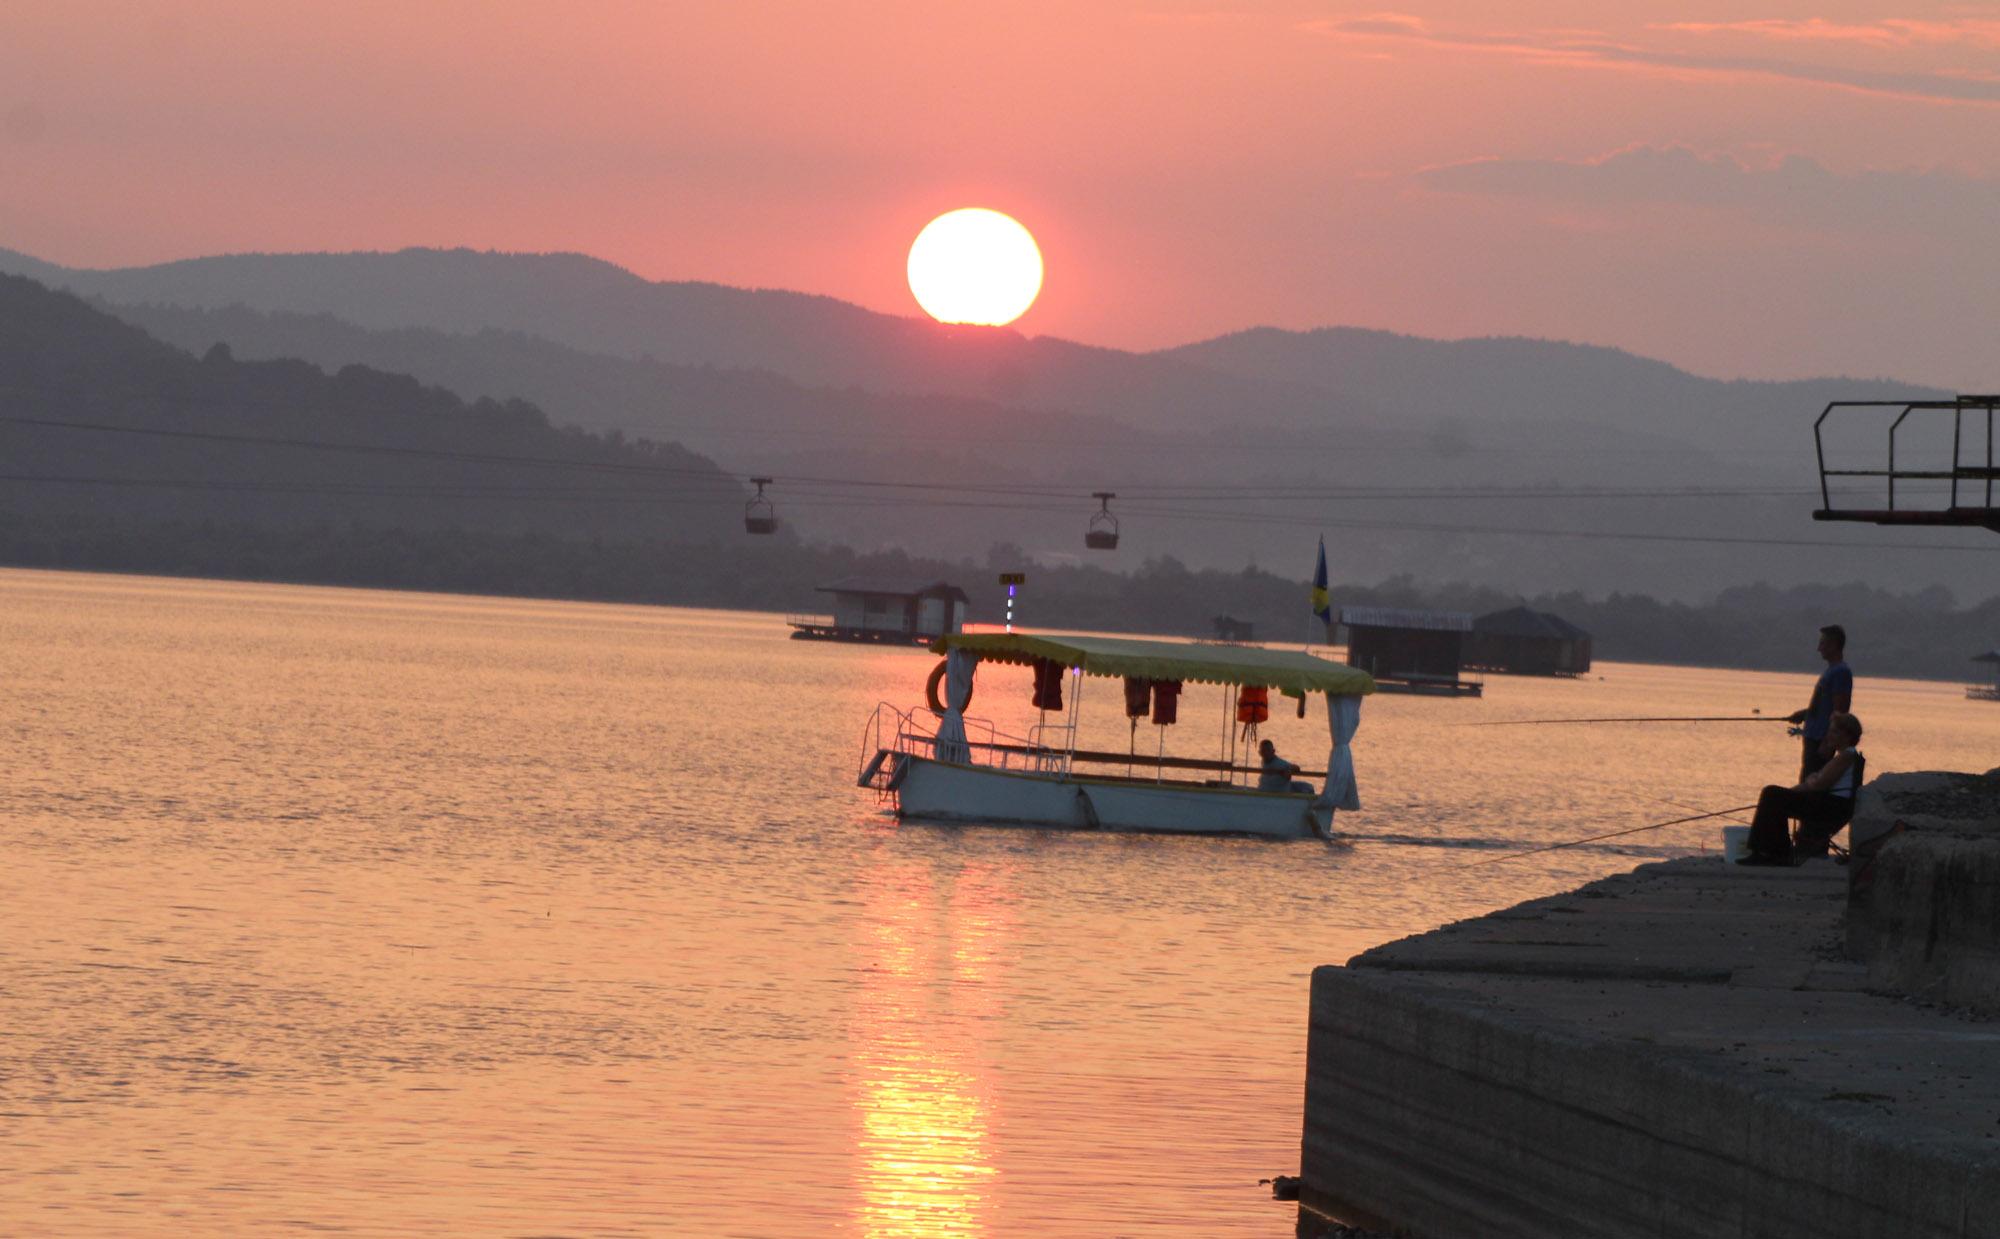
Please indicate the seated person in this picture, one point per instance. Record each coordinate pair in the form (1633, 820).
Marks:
(1823, 802)
(1278, 772)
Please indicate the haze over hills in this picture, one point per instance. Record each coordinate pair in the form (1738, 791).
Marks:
(177, 439)
(757, 422)
(1259, 410)
(445, 502)
(592, 305)
(1330, 378)
(1518, 380)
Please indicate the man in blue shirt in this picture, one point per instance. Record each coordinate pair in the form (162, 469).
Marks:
(1834, 694)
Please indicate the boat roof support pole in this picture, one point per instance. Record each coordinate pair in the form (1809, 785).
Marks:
(1957, 425)
(1075, 719)
(1223, 750)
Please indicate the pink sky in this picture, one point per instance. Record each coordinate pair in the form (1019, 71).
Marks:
(1768, 192)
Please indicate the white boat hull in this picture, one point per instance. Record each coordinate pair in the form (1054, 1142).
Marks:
(940, 791)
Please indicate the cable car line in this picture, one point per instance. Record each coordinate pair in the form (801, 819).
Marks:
(921, 492)
(863, 501)
(1181, 493)
(370, 449)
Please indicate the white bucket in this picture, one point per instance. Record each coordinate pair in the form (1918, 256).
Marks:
(1735, 843)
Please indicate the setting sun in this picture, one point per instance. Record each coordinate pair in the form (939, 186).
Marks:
(975, 266)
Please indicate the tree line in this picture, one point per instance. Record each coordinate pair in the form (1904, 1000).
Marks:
(1922, 634)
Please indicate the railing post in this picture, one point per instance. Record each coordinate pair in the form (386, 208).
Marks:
(1893, 428)
(1957, 421)
(1892, 461)
(1819, 449)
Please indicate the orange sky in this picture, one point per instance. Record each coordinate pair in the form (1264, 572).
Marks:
(1766, 192)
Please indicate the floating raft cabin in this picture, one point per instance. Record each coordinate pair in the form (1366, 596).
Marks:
(1410, 651)
(1986, 692)
(884, 609)
(1519, 641)
(1229, 628)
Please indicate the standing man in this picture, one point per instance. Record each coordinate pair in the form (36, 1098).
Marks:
(1834, 694)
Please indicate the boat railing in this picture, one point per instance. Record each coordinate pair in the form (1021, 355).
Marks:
(913, 733)
(891, 730)
(808, 619)
(1052, 744)
(1937, 465)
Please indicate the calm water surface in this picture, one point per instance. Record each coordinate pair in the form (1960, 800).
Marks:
(404, 914)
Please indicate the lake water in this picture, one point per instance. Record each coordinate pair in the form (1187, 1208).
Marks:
(406, 914)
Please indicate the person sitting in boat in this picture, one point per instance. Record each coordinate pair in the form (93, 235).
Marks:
(1823, 801)
(1278, 772)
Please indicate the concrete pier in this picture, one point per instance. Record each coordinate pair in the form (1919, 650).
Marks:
(1685, 1050)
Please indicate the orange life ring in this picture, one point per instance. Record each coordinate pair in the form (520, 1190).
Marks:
(932, 685)
(1253, 704)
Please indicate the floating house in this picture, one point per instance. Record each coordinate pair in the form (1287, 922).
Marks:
(1523, 642)
(1410, 651)
(1229, 628)
(1986, 692)
(912, 612)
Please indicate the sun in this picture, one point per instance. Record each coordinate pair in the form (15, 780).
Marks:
(975, 266)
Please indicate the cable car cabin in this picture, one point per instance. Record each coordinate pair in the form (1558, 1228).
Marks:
(1102, 534)
(758, 514)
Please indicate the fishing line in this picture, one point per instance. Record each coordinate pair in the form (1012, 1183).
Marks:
(1615, 834)
(1696, 718)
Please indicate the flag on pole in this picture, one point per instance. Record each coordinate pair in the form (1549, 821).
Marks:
(1321, 607)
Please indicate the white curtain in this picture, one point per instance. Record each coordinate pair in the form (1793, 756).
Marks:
(1343, 717)
(950, 744)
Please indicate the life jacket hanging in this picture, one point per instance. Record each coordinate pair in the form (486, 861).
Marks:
(1166, 701)
(1253, 704)
(1048, 684)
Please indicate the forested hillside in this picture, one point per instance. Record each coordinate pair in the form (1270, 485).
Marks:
(100, 422)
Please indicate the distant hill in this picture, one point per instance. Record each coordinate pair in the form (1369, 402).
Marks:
(1338, 378)
(809, 386)
(760, 417)
(1516, 380)
(759, 422)
(178, 452)
(592, 305)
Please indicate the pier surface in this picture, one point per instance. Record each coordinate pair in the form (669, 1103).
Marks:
(1680, 1051)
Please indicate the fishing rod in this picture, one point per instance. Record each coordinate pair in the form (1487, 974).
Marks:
(1699, 817)
(1680, 804)
(1694, 718)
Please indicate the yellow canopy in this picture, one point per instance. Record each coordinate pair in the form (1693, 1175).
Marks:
(1290, 671)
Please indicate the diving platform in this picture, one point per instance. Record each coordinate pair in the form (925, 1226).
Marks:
(1938, 470)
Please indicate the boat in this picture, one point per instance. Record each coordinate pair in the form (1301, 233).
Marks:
(935, 764)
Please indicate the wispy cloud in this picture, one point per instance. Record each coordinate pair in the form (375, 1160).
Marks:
(1977, 32)
(1596, 50)
(1792, 189)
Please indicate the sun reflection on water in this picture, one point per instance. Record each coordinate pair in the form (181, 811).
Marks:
(924, 1095)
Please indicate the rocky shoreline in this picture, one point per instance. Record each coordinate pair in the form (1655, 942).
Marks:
(1693, 1049)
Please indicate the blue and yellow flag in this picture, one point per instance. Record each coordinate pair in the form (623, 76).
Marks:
(1321, 607)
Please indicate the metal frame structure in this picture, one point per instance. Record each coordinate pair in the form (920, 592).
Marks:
(1982, 476)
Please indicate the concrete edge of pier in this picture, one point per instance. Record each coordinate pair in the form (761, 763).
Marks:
(1687, 1050)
